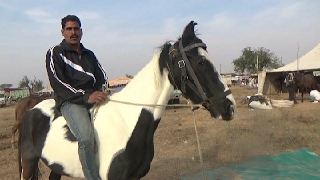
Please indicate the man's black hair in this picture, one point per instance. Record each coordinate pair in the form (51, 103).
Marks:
(69, 18)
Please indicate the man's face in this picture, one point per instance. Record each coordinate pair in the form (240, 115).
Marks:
(72, 33)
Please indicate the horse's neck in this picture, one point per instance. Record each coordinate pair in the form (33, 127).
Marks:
(299, 78)
(148, 87)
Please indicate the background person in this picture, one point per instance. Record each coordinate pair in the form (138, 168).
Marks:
(289, 82)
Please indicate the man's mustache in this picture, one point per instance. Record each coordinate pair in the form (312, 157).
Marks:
(75, 36)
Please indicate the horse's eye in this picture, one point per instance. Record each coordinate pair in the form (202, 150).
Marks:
(201, 61)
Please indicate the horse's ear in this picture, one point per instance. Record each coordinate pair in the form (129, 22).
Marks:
(189, 31)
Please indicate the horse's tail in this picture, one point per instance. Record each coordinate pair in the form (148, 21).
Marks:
(19, 154)
(36, 174)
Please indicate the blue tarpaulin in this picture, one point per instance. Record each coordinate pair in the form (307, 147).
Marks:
(302, 164)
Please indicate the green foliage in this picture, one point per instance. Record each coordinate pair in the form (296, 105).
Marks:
(24, 82)
(34, 86)
(247, 62)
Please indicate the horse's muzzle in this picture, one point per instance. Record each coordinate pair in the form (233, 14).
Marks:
(224, 111)
(229, 115)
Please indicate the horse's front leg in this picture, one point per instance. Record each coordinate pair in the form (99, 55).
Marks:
(302, 94)
(54, 176)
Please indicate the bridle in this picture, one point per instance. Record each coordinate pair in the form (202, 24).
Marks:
(185, 66)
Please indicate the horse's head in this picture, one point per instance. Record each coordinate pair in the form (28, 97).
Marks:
(296, 77)
(193, 72)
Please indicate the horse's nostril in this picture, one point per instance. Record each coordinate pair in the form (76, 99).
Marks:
(232, 109)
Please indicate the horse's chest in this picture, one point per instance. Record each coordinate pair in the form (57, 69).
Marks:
(135, 159)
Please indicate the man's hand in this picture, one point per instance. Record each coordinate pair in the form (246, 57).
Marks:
(98, 97)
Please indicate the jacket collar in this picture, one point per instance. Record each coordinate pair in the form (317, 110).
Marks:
(67, 47)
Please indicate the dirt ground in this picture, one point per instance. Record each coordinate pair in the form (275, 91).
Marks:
(251, 133)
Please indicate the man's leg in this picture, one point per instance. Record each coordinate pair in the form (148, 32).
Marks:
(294, 98)
(78, 120)
(292, 95)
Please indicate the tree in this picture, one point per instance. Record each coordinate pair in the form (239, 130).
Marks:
(5, 86)
(247, 62)
(24, 82)
(34, 86)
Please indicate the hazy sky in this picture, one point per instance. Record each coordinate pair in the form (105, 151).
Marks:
(125, 34)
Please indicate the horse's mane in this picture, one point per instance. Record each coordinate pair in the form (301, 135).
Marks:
(162, 60)
(164, 56)
(158, 63)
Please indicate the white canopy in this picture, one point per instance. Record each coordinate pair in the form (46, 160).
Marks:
(309, 61)
(47, 89)
(119, 81)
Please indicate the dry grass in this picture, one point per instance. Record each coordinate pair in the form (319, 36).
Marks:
(250, 134)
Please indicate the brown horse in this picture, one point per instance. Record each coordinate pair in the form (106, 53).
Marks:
(21, 108)
(305, 83)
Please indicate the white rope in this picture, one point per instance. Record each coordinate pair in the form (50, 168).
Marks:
(97, 106)
(199, 147)
(157, 105)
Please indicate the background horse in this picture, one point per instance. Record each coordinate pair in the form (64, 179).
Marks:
(279, 83)
(305, 83)
(21, 108)
(124, 132)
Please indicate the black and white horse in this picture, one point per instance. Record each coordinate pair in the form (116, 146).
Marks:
(124, 132)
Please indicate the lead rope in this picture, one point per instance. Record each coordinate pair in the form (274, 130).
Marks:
(199, 147)
(95, 109)
(97, 106)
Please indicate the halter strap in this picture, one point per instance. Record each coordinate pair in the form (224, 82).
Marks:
(185, 65)
(186, 60)
(188, 48)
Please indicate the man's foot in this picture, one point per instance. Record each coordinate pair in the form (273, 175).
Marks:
(295, 102)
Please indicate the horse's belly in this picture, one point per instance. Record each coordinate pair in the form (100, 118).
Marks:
(59, 153)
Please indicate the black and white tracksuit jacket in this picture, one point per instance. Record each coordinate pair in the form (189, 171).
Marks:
(73, 76)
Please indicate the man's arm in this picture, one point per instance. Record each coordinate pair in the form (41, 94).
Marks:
(99, 74)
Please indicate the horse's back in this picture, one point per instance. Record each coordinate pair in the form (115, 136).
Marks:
(305, 81)
(21, 108)
(310, 81)
(34, 119)
(44, 131)
(24, 104)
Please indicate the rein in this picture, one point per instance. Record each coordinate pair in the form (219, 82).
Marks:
(156, 105)
(97, 106)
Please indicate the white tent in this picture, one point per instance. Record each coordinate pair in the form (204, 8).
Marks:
(122, 81)
(47, 89)
(309, 61)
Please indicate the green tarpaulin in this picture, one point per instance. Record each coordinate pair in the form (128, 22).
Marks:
(302, 164)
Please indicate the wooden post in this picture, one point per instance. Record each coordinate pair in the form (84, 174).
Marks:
(298, 58)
